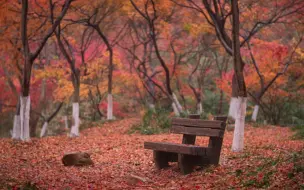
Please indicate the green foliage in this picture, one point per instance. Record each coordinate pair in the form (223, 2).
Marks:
(284, 112)
(299, 132)
(211, 102)
(154, 122)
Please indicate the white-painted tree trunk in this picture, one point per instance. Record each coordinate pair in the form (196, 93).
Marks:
(233, 107)
(110, 107)
(255, 113)
(16, 134)
(43, 130)
(238, 136)
(66, 123)
(151, 106)
(199, 108)
(25, 103)
(177, 108)
(75, 127)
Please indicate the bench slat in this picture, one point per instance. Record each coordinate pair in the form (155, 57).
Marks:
(176, 148)
(214, 124)
(197, 131)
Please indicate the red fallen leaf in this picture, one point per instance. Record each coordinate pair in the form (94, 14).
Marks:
(113, 165)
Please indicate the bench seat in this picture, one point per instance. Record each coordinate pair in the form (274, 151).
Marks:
(177, 148)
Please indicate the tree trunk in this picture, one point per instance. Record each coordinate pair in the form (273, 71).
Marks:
(110, 97)
(177, 108)
(48, 120)
(41, 106)
(238, 136)
(25, 103)
(199, 108)
(43, 130)
(66, 122)
(233, 102)
(110, 107)
(241, 101)
(255, 113)
(233, 107)
(75, 110)
(110, 68)
(220, 105)
(17, 124)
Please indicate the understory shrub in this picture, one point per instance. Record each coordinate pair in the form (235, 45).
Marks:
(299, 132)
(154, 121)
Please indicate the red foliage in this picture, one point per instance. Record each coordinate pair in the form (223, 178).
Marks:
(117, 111)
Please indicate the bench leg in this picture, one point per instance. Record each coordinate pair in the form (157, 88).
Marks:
(215, 143)
(160, 159)
(186, 163)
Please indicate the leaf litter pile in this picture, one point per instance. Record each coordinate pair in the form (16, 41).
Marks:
(271, 160)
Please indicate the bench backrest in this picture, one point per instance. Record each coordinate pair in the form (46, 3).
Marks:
(198, 127)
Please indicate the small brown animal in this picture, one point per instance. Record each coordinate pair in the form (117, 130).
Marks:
(77, 159)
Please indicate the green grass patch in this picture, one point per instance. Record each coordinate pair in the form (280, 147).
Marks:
(299, 132)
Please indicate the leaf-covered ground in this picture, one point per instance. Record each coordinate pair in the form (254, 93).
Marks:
(270, 160)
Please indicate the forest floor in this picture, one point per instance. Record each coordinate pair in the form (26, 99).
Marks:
(271, 160)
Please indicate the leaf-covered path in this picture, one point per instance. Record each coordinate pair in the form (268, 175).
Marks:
(270, 160)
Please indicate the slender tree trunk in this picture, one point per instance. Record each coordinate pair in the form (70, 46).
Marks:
(150, 97)
(41, 106)
(220, 105)
(75, 109)
(233, 102)
(255, 113)
(241, 101)
(177, 108)
(95, 105)
(25, 101)
(110, 70)
(110, 78)
(17, 125)
(199, 108)
(150, 83)
(48, 120)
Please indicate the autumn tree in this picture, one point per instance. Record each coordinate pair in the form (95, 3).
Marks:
(105, 17)
(149, 13)
(29, 57)
(216, 14)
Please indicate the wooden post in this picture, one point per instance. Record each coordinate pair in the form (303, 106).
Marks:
(215, 143)
(160, 159)
(185, 163)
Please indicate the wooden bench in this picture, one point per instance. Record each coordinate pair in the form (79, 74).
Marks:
(188, 155)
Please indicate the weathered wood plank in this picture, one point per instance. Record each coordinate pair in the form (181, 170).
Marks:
(197, 131)
(177, 148)
(198, 123)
